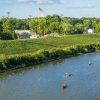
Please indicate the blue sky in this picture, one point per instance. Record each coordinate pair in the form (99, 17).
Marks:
(68, 8)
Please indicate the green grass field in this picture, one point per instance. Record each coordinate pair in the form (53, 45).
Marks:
(32, 45)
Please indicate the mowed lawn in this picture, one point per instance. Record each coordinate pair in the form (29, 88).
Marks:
(32, 45)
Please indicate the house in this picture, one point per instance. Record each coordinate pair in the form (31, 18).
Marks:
(24, 34)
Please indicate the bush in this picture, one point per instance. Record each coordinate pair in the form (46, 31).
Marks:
(57, 53)
(2, 66)
(90, 48)
(7, 36)
(2, 62)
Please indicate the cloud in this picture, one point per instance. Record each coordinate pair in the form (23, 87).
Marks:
(42, 1)
(83, 7)
(67, 2)
(36, 1)
(64, 1)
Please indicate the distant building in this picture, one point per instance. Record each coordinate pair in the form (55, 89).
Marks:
(34, 35)
(89, 30)
(52, 35)
(24, 34)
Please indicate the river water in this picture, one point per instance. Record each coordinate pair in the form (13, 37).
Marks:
(43, 82)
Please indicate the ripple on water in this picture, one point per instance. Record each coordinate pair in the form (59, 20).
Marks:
(44, 81)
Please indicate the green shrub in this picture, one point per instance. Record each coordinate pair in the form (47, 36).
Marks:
(90, 48)
(57, 53)
(7, 36)
(2, 66)
(2, 62)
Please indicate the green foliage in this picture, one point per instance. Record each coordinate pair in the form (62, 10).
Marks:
(8, 26)
(79, 28)
(23, 53)
(28, 59)
(98, 27)
(65, 47)
(22, 24)
(1, 27)
(2, 62)
(66, 28)
(50, 24)
(7, 36)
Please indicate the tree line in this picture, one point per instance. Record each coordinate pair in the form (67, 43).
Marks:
(47, 25)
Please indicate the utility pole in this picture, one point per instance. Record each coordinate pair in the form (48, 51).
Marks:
(8, 14)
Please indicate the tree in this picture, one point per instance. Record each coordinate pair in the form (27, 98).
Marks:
(33, 25)
(22, 24)
(89, 23)
(53, 23)
(54, 18)
(66, 28)
(9, 25)
(79, 28)
(1, 27)
(98, 27)
(55, 27)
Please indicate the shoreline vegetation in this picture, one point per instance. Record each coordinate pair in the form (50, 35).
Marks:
(28, 59)
(37, 51)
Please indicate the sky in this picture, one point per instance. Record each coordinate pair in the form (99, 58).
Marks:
(65, 8)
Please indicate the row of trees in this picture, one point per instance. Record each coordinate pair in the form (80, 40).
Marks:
(56, 24)
(48, 24)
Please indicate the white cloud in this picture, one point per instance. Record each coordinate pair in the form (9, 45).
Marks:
(42, 1)
(36, 1)
(64, 1)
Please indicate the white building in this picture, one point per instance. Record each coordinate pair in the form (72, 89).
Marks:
(89, 31)
(24, 34)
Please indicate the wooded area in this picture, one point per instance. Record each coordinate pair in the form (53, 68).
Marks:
(47, 25)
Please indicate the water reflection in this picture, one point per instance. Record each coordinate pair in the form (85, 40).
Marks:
(22, 70)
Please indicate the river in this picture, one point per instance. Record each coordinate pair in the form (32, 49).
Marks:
(44, 82)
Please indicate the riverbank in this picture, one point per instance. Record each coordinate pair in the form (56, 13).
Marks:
(12, 47)
(22, 53)
(16, 61)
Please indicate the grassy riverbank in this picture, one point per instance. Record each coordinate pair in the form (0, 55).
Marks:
(26, 46)
(22, 53)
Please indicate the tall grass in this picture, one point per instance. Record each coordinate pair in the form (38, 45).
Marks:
(22, 53)
(28, 59)
(33, 45)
